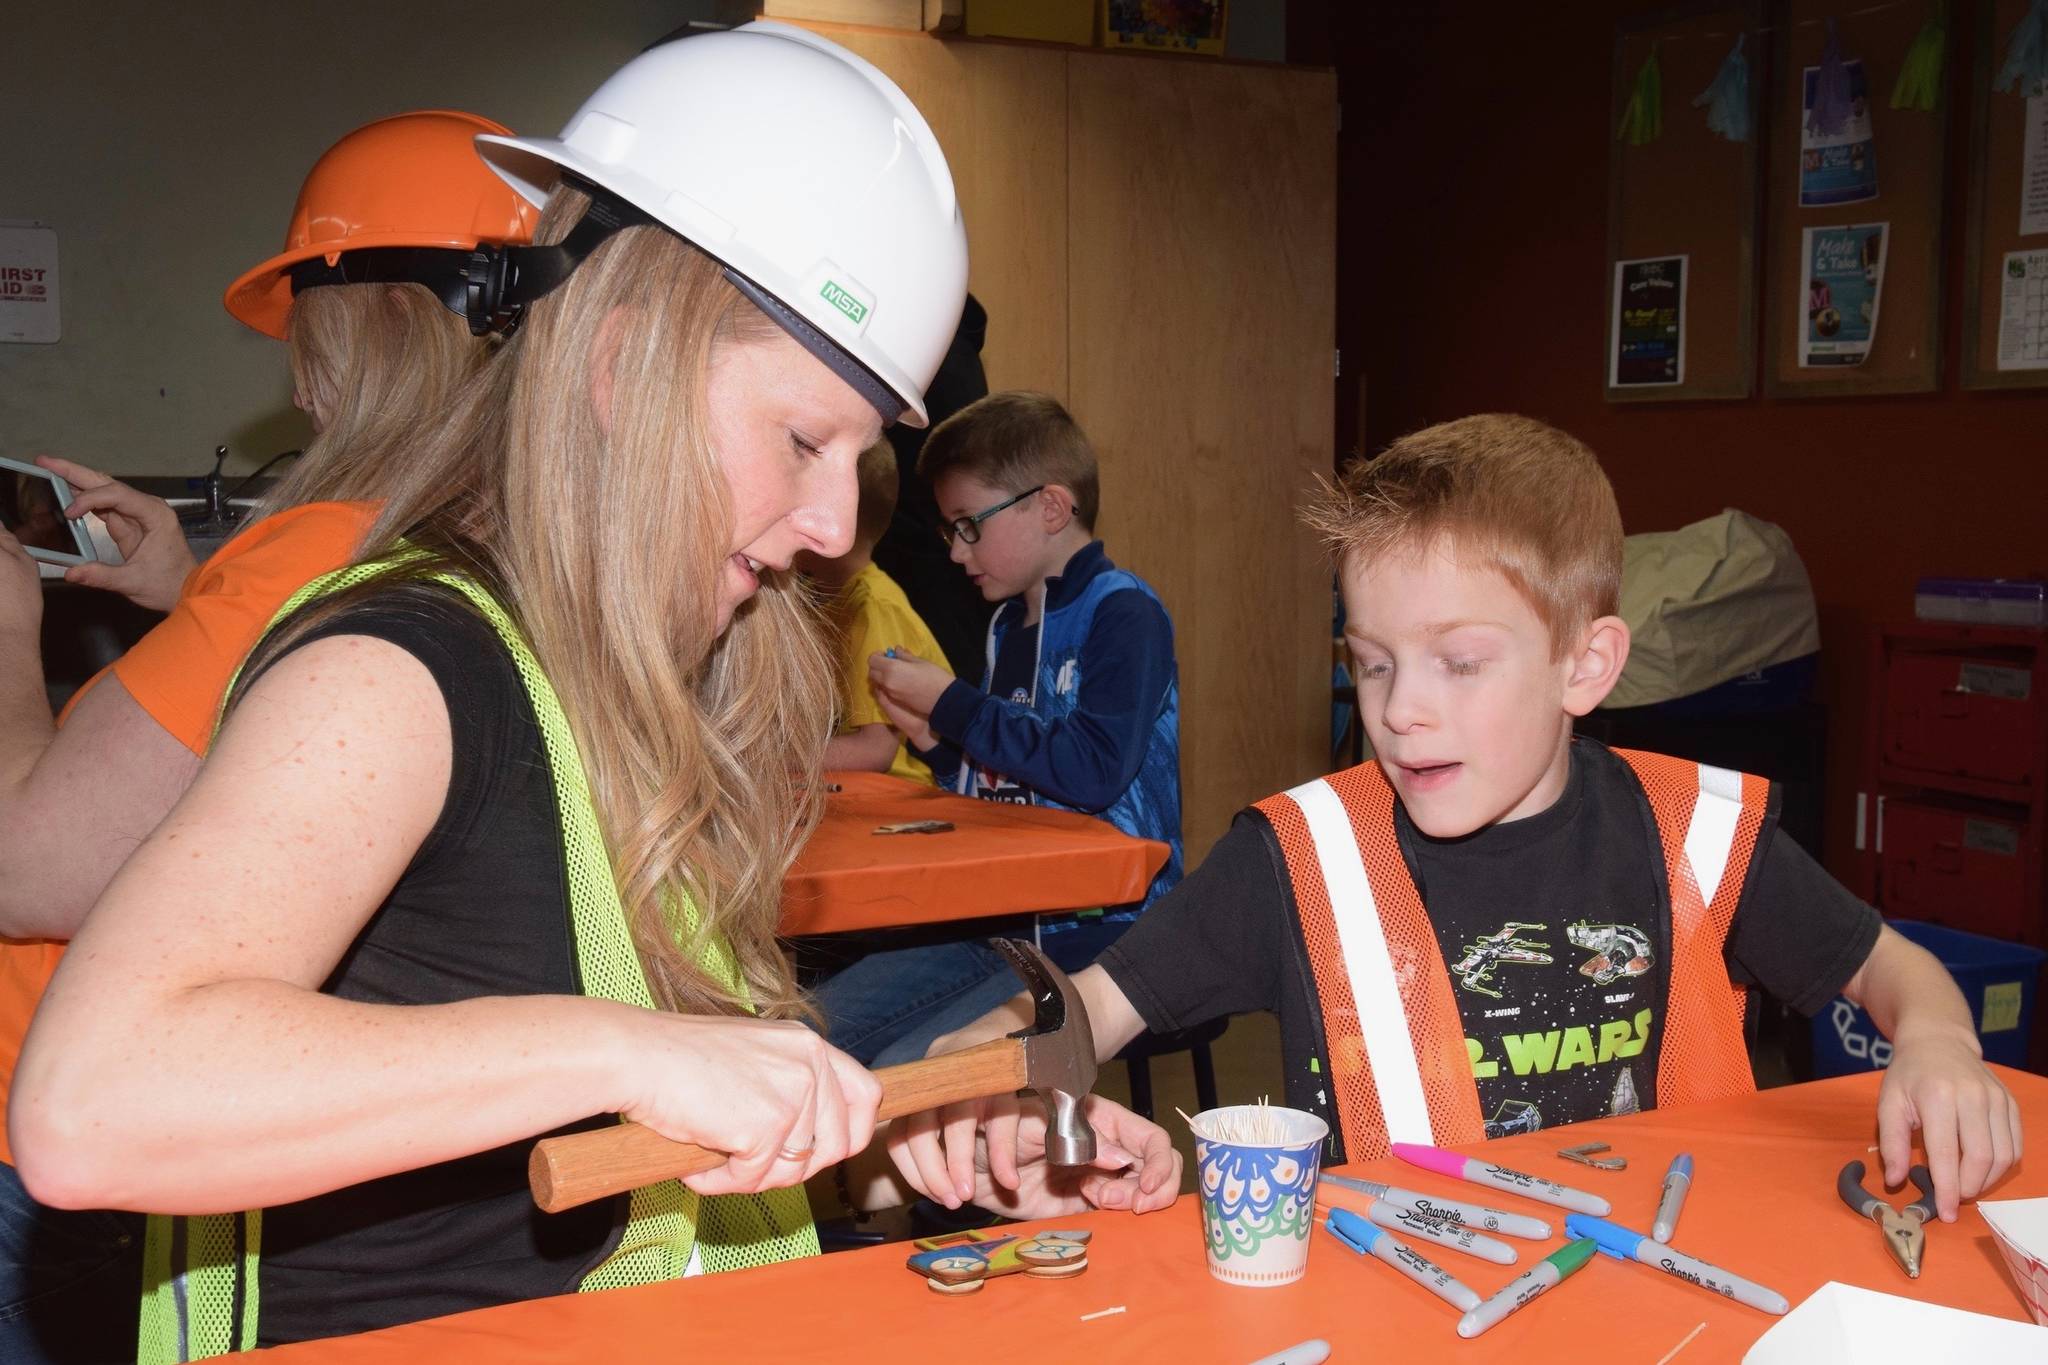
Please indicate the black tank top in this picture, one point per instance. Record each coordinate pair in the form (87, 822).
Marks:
(483, 909)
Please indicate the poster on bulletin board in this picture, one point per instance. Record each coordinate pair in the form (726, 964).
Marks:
(28, 284)
(1646, 335)
(1832, 262)
(2005, 265)
(2023, 312)
(1838, 167)
(1682, 204)
(1844, 281)
(2034, 169)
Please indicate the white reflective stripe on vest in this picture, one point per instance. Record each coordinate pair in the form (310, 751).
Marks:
(1382, 1018)
(1710, 836)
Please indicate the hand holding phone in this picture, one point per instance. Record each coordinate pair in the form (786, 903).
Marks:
(153, 558)
(32, 503)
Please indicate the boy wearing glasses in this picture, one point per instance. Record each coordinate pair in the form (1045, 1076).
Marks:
(1078, 706)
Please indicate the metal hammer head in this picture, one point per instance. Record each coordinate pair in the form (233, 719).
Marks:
(1059, 1053)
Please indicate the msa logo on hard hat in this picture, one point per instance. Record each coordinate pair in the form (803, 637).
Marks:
(856, 311)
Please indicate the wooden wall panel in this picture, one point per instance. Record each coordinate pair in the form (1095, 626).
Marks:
(1202, 316)
(1000, 113)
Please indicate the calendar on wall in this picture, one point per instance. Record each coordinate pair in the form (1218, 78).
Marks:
(2023, 311)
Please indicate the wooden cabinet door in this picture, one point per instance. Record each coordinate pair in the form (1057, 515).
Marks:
(1201, 332)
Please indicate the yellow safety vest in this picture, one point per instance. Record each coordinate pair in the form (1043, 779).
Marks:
(200, 1277)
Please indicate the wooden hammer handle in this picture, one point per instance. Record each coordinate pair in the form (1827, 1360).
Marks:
(579, 1167)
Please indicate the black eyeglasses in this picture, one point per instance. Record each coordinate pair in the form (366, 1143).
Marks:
(969, 528)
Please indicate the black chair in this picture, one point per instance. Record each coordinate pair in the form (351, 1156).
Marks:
(1138, 1054)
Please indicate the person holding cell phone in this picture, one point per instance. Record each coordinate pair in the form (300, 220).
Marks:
(371, 336)
(490, 842)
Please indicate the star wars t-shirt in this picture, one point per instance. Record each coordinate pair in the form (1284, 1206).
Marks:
(1552, 931)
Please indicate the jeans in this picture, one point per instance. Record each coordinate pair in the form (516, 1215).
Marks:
(70, 1281)
(890, 1006)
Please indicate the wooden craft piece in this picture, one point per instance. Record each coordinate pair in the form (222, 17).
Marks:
(961, 1262)
(1054, 1251)
(954, 1270)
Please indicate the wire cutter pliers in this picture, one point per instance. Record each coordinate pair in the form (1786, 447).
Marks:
(1905, 1230)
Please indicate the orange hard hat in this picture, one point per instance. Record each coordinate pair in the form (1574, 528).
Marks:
(412, 180)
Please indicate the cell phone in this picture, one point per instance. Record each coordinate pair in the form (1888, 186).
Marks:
(32, 503)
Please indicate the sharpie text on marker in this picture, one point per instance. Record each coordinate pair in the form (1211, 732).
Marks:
(1367, 1240)
(1447, 1210)
(1461, 1167)
(1625, 1244)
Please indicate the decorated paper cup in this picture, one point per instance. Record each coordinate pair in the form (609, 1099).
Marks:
(1258, 1197)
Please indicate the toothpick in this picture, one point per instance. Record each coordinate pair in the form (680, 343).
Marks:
(1683, 1344)
(1108, 1312)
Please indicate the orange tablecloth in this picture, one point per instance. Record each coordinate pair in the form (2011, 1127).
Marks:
(1762, 1205)
(997, 860)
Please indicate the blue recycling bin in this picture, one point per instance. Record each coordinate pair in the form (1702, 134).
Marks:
(1998, 979)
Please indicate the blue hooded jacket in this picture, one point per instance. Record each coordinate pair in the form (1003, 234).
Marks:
(1101, 732)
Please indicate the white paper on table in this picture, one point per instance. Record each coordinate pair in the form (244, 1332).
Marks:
(2034, 169)
(1842, 1324)
(2021, 1227)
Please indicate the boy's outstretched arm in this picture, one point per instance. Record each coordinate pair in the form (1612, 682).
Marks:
(1937, 1081)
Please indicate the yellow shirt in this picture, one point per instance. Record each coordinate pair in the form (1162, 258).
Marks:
(875, 616)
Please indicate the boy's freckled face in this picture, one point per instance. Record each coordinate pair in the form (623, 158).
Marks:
(1006, 560)
(1462, 699)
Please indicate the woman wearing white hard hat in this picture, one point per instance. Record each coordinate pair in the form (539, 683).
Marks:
(491, 839)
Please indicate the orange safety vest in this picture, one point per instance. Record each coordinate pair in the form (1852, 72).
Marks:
(1393, 1038)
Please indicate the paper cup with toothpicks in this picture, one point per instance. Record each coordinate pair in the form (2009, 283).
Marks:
(1256, 1168)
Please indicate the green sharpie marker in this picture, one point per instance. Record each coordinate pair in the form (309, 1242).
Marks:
(1547, 1273)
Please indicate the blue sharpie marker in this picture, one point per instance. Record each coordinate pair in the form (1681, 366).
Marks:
(1367, 1240)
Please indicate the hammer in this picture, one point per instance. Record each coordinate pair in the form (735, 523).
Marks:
(1055, 1056)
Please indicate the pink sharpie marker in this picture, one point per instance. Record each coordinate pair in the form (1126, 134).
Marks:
(1461, 1167)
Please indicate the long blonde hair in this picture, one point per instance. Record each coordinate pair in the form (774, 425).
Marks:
(702, 750)
(371, 359)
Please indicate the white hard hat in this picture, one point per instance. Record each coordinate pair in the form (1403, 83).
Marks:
(799, 167)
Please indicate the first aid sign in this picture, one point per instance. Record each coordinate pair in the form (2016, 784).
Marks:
(28, 284)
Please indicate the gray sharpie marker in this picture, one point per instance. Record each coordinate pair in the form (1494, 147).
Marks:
(1677, 1181)
(1447, 1210)
(1413, 1224)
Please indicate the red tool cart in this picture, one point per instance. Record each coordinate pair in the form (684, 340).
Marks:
(1959, 777)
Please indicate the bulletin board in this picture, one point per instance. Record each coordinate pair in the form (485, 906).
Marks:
(1997, 145)
(1690, 192)
(1904, 354)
